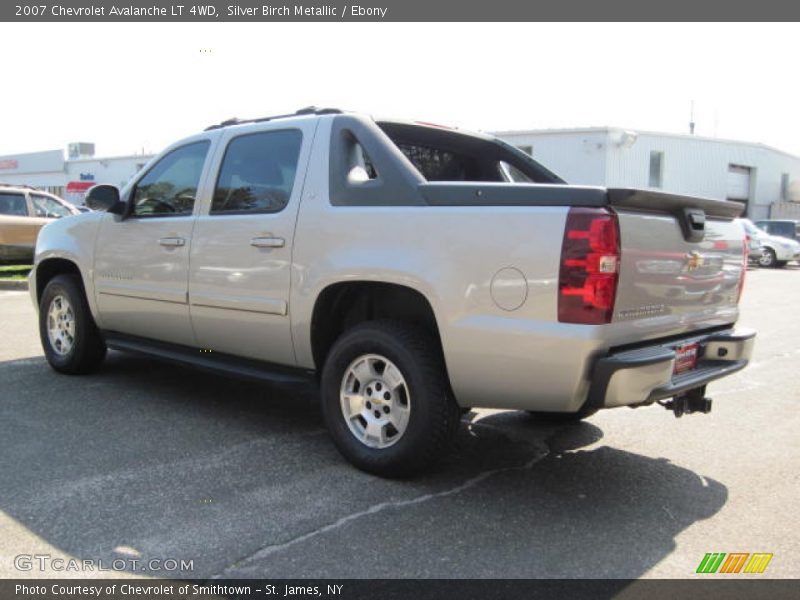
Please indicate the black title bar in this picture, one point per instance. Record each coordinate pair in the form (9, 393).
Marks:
(391, 589)
(398, 10)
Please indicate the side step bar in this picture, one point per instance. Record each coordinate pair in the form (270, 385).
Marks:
(224, 364)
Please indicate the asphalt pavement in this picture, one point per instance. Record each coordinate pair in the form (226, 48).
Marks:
(146, 462)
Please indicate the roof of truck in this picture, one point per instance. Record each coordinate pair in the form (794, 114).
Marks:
(309, 110)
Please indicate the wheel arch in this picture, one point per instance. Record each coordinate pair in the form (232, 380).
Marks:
(342, 305)
(51, 267)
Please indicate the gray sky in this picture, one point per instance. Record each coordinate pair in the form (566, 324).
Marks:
(133, 86)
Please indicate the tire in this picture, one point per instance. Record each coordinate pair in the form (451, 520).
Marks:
(561, 417)
(364, 363)
(781, 263)
(768, 258)
(77, 346)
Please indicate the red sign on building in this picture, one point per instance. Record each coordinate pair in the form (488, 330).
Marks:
(9, 164)
(79, 187)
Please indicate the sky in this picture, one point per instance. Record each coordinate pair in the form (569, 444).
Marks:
(137, 87)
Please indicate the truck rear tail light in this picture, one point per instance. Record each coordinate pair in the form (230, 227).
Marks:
(587, 282)
(745, 256)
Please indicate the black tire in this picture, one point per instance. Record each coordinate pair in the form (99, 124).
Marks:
(433, 416)
(768, 258)
(88, 348)
(561, 417)
(781, 263)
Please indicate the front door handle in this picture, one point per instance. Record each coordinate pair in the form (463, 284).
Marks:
(268, 242)
(172, 241)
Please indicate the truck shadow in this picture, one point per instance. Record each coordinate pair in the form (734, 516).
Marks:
(153, 461)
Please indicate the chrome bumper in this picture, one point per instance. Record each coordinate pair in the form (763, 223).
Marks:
(644, 375)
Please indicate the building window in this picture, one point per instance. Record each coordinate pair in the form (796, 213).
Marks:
(656, 169)
(527, 149)
(785, 187)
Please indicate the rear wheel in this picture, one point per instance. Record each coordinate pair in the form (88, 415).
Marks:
(70, 339)
(386, 400)
(768, 258)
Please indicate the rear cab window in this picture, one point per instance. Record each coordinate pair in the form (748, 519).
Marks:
(442, 154)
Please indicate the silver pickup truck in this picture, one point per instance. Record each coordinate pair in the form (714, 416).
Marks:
(411, 271)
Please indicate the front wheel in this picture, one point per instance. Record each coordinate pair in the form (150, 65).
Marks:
(386, 400)
(70, 339)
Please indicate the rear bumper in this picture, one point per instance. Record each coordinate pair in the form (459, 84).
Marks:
(644, 375)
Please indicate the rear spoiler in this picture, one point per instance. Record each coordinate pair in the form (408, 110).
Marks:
(672, 203)
(460, 193)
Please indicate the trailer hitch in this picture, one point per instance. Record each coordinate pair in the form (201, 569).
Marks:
(690, 402)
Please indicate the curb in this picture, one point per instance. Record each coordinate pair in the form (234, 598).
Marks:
(14, 285)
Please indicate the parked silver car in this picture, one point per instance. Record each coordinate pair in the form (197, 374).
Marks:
(776, 251)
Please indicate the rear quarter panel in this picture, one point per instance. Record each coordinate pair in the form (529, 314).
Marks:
(494, 356)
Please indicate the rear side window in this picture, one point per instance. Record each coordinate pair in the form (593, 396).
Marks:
(257, 173)
(13, 204)
(169, 188)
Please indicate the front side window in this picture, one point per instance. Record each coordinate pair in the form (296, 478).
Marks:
(257, 172)
(44, 206)
(170, 187)
(14, 205)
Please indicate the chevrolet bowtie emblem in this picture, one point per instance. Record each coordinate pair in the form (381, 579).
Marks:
(694, 261)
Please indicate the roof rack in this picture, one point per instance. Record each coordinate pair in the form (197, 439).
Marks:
(309, 110)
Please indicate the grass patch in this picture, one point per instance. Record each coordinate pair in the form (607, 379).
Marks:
(14, 272)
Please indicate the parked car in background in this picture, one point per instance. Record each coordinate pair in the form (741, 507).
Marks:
(754, 250)
(776, 251)
(781, 227)
(23, 212)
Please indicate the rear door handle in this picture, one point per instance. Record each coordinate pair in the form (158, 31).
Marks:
(268, 242)
(172, 241)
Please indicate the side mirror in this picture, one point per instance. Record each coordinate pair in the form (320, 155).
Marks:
(104, 198)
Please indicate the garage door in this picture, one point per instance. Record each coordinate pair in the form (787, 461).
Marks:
(738, 182)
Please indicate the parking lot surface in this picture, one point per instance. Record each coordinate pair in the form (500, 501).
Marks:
(145, 461)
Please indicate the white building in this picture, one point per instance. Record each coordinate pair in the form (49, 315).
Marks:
(755, 174)
(69, 177)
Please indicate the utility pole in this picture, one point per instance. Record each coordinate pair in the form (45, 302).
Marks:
(691, 118)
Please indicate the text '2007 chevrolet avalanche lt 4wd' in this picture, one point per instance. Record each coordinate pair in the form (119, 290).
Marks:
(413, 271)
